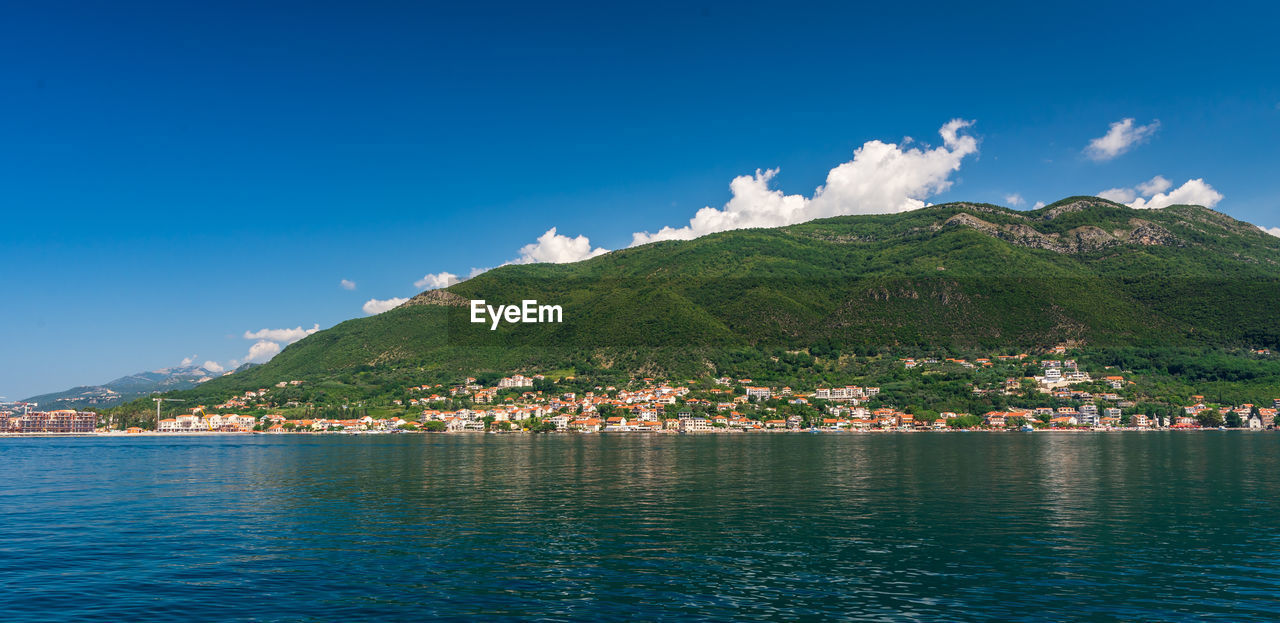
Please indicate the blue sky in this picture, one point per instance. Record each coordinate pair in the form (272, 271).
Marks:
(174, 177)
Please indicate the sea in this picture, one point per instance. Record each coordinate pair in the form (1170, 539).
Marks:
(998, 526)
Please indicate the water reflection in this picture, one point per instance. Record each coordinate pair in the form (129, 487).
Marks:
(931, 526)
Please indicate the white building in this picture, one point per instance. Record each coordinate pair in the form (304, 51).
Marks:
(695, 425)
(515, 380)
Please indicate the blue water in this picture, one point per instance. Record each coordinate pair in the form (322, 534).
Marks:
(956, 526)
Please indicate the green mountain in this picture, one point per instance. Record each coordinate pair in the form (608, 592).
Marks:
(1082, 271)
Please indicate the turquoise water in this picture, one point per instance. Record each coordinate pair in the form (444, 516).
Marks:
(957, 526)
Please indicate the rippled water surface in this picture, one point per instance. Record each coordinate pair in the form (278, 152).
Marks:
(958, 526)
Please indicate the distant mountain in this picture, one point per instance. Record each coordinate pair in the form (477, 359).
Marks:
(242, 368)
(125, 388)
(1082, 271)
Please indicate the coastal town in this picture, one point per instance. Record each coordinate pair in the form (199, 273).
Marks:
(1054, 394)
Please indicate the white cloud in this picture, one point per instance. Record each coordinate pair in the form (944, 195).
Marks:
(1120, 137)
(555, 248)
(1014, 200)
(262, 351)
(881, 178)
(1191, 192)
(431, 281)
(288, 336)
(1150, 195)
(551, 247)
(1119, 195)
(347, 284)
(1157, 184)
(1038, 205)
(1274, 231)
(268, 343)
(374, 307)
(186, 361)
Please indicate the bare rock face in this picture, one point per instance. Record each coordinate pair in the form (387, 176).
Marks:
(1074, 206)
(968, 220)
(1090, 238)
(1082, 239)
(979, 207)
(1030, 237)
(1150, 234)
(1019, 234)
(437, 297)
(1198, 217)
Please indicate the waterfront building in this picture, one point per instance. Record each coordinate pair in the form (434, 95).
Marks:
(695, 425)
(59, 421)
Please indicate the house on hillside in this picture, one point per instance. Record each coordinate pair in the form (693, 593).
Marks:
(515, 380)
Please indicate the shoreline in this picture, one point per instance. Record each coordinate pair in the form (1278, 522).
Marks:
(637, 432)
